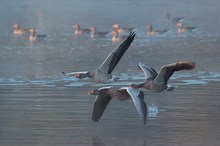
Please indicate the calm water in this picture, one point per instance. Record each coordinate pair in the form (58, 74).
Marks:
(40, 107)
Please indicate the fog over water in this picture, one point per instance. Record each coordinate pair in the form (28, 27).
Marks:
(40, 106)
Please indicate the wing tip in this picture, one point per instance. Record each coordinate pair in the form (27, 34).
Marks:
(132, 34)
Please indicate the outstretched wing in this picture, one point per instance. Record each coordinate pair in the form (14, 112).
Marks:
(100, 105)
(150, 73)
(138, 99)
(114, 57)
(167, 71)
(74, 73)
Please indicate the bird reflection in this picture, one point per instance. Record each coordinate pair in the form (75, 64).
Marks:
(96, 141)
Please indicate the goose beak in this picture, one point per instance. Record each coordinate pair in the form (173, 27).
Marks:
(90, 92)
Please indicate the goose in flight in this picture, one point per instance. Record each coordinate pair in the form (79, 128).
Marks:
(103, 73)
(105, 94)
(158, 82)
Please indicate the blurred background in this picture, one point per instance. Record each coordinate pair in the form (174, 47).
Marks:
(40, 106)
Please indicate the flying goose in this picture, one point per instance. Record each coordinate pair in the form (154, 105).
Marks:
(19, 30)
(159, 82)
(182, 28)
(151, 31)
(103, 73)
(105, 94)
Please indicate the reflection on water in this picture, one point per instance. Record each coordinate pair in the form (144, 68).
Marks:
(39, 106)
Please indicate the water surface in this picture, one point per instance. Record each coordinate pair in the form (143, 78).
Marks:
(40, 106)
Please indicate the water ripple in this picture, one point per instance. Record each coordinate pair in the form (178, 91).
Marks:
(126, 79)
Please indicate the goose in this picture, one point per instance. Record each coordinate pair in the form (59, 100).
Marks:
(115, 37)
(154, 32)
(158, 82)
(33, 36)
(18, 30)
(95, 34)
(79, 31)
(120, 30)
(103, 73)
(175, 20)
(105, 94)
(182, 28)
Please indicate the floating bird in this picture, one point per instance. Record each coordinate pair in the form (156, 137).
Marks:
(159, 82)
(79, 31)
(154, 32)
(103, 73)
(19, 30)
(34, 37)
(175, 20)
(182, 28)
(105, 94)
(116, 37)
(120, 30)
(95, 34)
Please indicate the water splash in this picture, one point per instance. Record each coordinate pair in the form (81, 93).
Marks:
(152, 110)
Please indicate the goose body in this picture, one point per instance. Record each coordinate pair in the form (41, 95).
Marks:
(105, 94)
(19, 31)
(95, 34)
(79, 31)
(158, 82)
(120, 30)
(103, 73)
(151, 31)
(182, 28)
(116, 37)
(34, 37)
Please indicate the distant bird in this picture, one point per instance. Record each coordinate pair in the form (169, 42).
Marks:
(105, 94)
(34, 37)
(151, 31)
(120, 30)
(115, 37)
(19, 30)
(175, 20)
(159, 82)
(182, 28)
(95, 34)
(103, 73)
(78, 30)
